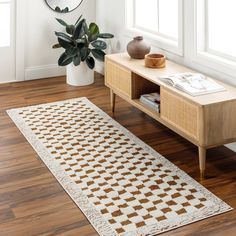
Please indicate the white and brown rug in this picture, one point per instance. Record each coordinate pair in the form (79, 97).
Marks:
(121, 184)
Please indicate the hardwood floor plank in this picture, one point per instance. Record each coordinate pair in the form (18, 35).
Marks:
(43, 223)
(43, 205)
(6, 214)
(33, 203)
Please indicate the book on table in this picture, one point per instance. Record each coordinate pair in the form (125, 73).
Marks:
(152, 100)
(194, 84)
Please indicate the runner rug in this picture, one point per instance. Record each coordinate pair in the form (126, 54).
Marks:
(121, 184)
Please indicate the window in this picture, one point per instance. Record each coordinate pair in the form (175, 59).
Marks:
(5, 27)
(221, 35)
(160, 18)
(215, 35)
(157, 19)
(208, 31)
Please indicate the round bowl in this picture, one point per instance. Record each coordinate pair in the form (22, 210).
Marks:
(155, 61)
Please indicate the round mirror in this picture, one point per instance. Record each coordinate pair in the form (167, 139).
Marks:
(63, 6)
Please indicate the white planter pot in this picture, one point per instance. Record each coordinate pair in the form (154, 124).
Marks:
(79, 75)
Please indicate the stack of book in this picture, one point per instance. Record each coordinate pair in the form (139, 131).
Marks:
(152, 100)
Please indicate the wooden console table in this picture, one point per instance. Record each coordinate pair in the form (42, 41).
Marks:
(206, 121)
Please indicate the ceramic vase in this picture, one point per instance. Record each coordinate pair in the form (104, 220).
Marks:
(138, 48)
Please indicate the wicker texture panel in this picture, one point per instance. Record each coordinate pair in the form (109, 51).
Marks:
(220, 122)
(179, 113)
(118, 78)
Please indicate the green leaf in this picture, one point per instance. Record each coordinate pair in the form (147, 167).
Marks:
(79, 31)
(64, 36)
(105, 36)
(70, 29)
(65, 60)
(62, 22)
(78, 20)
(84, 53)
(80, 41)
(93, 29)
(90, 62)
(85, 27)
(65, 44)
(92, 38)
(55, 46)
(77, 60)
(99, 44)
(93, 32)
(98, 54)
(72, 51)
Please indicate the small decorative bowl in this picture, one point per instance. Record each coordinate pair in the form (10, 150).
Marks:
(155, 61)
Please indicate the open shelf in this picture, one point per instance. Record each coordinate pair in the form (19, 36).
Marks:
(142, 86)
(146, 109)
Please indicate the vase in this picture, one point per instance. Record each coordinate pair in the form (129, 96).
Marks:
(80, 75)
(137, 48)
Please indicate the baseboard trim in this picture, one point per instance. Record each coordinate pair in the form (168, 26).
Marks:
(39, 72)
(47, 71)
(8, 81)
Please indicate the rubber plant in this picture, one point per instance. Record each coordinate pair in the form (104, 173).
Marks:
(82, 43)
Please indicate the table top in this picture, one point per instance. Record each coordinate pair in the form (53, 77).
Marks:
(153, 75)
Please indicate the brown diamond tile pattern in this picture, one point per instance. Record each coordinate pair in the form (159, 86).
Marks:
(128, 186)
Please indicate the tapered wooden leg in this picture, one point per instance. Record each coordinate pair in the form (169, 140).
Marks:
(113, 101)
(202, 161)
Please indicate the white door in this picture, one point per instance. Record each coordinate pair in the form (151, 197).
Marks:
(7, 41)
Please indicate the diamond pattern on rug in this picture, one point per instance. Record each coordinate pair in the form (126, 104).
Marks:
(130, 187)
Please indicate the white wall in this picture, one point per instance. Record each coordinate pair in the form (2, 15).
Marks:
(110, 16)
(40, 60)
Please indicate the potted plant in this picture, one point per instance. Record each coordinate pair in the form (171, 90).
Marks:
(83, 44)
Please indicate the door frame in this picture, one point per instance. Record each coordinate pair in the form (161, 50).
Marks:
(20, 26)
(13, 22)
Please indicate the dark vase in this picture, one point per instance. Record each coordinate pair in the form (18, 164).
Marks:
(137, 48)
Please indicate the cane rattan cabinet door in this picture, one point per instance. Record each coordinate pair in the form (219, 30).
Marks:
(180, 113)
(118, 78)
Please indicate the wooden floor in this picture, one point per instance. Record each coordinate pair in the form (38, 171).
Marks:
(33, 203)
